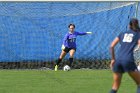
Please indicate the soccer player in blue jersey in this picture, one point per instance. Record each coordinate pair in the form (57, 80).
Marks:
(69, 44)
(125, 59)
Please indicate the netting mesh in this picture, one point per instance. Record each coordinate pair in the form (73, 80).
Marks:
(53, 9)
(33, 31)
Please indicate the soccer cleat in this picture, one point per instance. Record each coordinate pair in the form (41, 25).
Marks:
(56, 67)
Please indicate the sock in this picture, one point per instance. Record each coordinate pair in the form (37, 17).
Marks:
(58, 61)
(138, 89)
(70, 60)
(113, 91)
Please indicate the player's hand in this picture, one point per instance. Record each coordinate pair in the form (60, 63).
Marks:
(89, 32)
(63, 47)
(112, 63)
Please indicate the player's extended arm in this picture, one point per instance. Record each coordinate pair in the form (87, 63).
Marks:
(84, 33)
(112, 51)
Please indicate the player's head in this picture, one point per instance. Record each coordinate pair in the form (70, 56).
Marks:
(71, 27)
(134, 24)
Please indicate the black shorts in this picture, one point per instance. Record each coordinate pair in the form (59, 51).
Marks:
(122, 66)
(68, 49)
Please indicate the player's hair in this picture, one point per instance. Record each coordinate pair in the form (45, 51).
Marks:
(134, 24)
(71, 25)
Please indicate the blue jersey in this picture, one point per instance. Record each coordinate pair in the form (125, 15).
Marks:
(128, 41)
(70, 39)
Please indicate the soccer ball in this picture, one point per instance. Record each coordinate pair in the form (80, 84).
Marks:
(66, 68)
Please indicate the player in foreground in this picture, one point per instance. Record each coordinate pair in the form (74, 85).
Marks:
(125, 60)
(69, 44)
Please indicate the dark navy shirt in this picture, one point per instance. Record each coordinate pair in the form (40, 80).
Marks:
(128, 41)
(70, 39)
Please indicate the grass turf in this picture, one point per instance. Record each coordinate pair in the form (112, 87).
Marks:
(74, 81)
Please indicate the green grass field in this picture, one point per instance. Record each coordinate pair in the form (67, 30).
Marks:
(74, 81)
